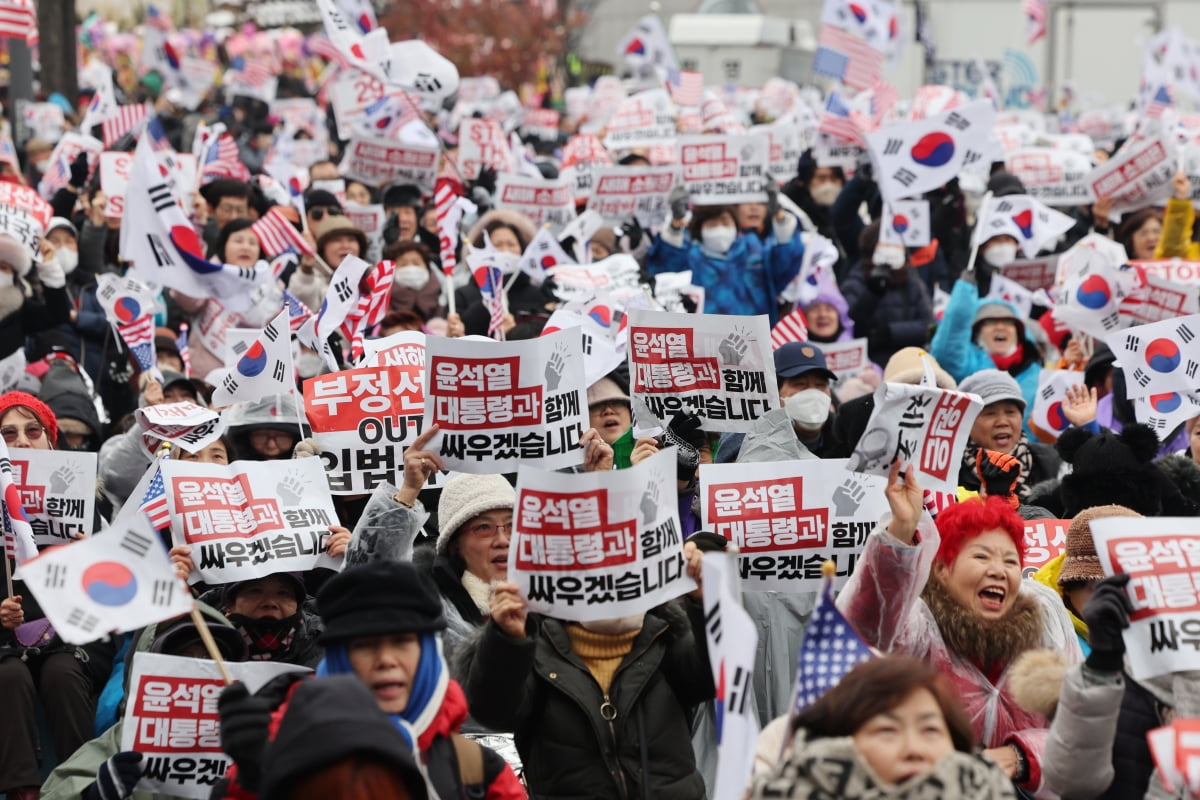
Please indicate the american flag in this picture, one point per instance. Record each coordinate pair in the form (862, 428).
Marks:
(251, 72)
(830, 649)
(55, 177)
(1160, 101)
(277, 235)
(842, 55)
(490, 281)
(792, 328)
(154, 502)
(445, 196)
(157, 19)
(882, 97)
(323, 48)
(221, 160)
(139, 338)
(17, 20)
(124, 120)
(837, 120)
(185, 355)
(688, 91)
(298, 313)
(372, 305)
(1036, 13)
(936, 501)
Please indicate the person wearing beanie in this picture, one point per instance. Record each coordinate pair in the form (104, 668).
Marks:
(599, 709)
(952, 594)
(998, 428)
(274, 615)
(383, 625)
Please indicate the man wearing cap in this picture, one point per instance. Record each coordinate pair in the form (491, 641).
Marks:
(804, 381)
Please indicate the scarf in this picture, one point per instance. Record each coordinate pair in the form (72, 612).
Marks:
(989, 644)
(1021, 452)
(1011, 360)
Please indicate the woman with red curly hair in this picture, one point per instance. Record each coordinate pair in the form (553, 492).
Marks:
(953, 595)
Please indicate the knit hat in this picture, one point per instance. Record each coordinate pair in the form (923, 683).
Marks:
(378, 598)
(907, 366)
(64, 223)
(1099, 365)
(993, 385)
(1003, 184)
(36, 407)
(335, 224)
(996, 310)
(1082, 563)
(402, 194)
(604, 390)
(1111, 468)
(230, 590)
(177, 637)
(15, 255)
(468, 496)
(328, 720)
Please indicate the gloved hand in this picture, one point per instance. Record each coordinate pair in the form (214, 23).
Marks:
(116, 777)
(772, 197)
(629, 235)
(79, 171)
(999, 474)
(680, 432)
(1106, 615)
(245, 722)
(307, 448)
(863, 167)
(877, 279)
(487, 179)
(678, 200)
(391, 230)
(51, 274)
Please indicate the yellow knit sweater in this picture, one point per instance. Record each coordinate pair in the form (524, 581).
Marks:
(602, 652)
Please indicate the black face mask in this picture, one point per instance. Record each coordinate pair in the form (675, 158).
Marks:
(267, 639)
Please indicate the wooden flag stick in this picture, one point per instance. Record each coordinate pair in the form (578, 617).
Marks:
(210, 644)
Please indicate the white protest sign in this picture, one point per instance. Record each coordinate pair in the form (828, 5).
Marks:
(1033, 273)
(481, 143)
(1160, 554)
(789, 517)
(1159, 299)
(1175, 270)
(370, 220)
(58, 492)
(846, 359)
(1138, 177)
(1048, 402)
(249, 519)
(171, 719)
(722, 366)
(906, 222)
(837, 155)
(114, 176)
(541, 124)
(376, 162)
(1159, 358)
(720, 170)
(607, 95)
(787, 140)
(352, 91)
(544, 201)
(186, 424)
(501, 404)
(365, 418)
(642, 192)
(404, 349)
(1055, 177)
(644, 119)
(581, 156)
(24, 200)
(598, 545)
(619, 275)
(919, 425)
(1045, 540)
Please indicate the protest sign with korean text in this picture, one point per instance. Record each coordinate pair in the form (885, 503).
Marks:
(1138, 177)
(789, 517)
(919, 425)
(1161, 555)
(352, 91)
(1160, 357)
(787, 138)
(376, 162)
(644, 119)
(171, 719)
(185, 424)
(365, 419)
(582, 155)
(642, 192)
(249, 519)
(1033, 273)
(544, 201)
(57, 490)
(1159, 299)
(846, 359)
(1055, 177)
(1176, 270)
(501, 404)
(722, 366)
(720, 170)
(598, 545)
(1045, 540)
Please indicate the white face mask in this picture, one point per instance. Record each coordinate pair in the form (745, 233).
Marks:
(718, 239)
(42, 166)
(6, 280)
(1000, 255)
(808, 409)
(826, 193)
(411, 277)
(632, 622)
(67, 258)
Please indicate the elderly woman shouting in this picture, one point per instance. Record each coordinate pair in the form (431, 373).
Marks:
(952, 595)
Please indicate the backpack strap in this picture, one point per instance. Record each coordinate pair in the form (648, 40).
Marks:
(470, 760)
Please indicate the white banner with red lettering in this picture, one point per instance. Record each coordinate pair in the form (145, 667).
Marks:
(545, 201)
(846, 359)
(789, 517)
(350, 94)
(249, 519)
(481, 143)
(404, 349)
(1159, 299)
(376, 162)
(114, 176)
(1160, 555)
(171, 719)
(721, 170)
(919, 425)
(58, 492)
(642, 192)
(503, 404)
(1033, 273)
(1139, 177)
(642, 120)
(1175, 270)
(1045, 540)
(598, 545)
(1055, 177)
(185, 424)
(720, 366)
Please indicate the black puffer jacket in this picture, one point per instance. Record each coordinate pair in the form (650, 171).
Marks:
(544, 693)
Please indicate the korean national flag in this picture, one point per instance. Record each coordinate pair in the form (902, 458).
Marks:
(910, 158)
(1048, 403)
(1166, 412)
(905, 222)
(543, 253)
(1031, 223)
(1160, 358)
(117, 581)
(265, 369)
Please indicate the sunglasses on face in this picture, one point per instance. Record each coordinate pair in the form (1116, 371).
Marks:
(32, 431)
(318, 214)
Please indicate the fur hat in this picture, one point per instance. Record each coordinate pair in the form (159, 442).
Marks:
(1110, 468)
(1035, 679)
(15, 255)
(1082, 563)
(521, 223)
(468, 496)
(993, 385)
(906, 366)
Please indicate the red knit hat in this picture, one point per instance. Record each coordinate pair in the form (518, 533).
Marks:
(34, 406)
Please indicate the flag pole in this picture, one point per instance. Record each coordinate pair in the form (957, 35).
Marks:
(983, 210)
(8, 578)
(210, 644)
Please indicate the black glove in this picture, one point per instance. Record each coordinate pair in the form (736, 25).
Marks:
(998, 473)
(487, 179)
(772, 198)
(681, 432)
(863, 167)
(79, 171)
(679, 199)
(245, 723)
(391, 229)
(877, 279)
(1106, 615)
(629, 235)
(708, 542)
(116, 777)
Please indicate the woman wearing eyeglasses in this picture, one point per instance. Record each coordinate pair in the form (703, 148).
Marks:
(33, 661)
